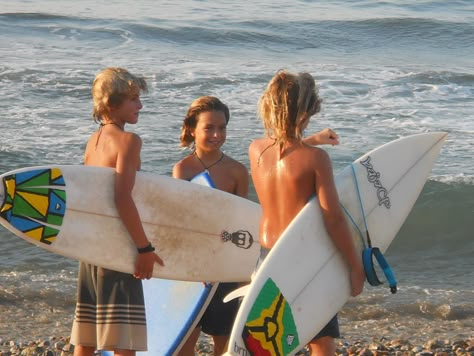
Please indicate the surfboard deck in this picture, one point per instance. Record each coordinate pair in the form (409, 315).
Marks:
(173, 308)
(304, 281)
(201, 234)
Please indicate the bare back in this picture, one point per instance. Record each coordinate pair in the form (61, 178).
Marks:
(106, 146)
(285, 183)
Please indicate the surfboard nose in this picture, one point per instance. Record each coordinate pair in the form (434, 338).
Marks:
(4, 204)
(441, 135)
(34, 203)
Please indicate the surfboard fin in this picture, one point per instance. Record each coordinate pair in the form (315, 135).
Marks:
(372, 278)
(237, 293)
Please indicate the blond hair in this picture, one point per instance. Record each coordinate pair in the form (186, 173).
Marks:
(287, 102)
(111, 87)
(200, 105)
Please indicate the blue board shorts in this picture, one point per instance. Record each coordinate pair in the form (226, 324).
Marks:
(331, 329)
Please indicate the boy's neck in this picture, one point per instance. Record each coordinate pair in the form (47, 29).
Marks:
(102, 124)
(209, 159)
(208, 155)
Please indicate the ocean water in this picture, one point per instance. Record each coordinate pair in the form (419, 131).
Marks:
(386, 69)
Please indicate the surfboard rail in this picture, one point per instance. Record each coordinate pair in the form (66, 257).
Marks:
(70, 210)
(278, 314)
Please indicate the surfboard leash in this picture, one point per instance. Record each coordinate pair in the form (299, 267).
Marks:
(369, 251)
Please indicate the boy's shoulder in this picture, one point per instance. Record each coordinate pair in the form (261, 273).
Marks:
(125, 141)
(316, 152)
(234, 164)
(260, 142)
(183, 162)
(130, 137)
(186, 168)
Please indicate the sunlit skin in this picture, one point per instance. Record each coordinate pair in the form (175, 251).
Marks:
(119, 149)
(227, 174)
(115, 148)
(287, 172)
(297, 173)
(210, 134)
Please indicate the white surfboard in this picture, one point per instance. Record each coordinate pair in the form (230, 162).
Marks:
(173, 308)
(201, 234)
(304, 281)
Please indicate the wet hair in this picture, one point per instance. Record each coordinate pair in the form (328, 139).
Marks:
(197, 107)
(111, 87)
(287, 102)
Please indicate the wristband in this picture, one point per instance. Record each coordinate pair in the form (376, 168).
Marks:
(147, 248)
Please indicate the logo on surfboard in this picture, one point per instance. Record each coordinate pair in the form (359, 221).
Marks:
(374, 177)
(35, 203)
(270, 328)
(241, 238)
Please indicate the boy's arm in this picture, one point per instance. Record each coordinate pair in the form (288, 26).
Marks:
(242, 189)
(177, 171)
(323, 137)
(335, 221)
(128, 160)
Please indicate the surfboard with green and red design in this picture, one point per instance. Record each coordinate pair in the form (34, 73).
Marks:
(270, 328)
(304, 281)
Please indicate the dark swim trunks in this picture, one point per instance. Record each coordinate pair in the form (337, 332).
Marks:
(218, 318)
(331, 329)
